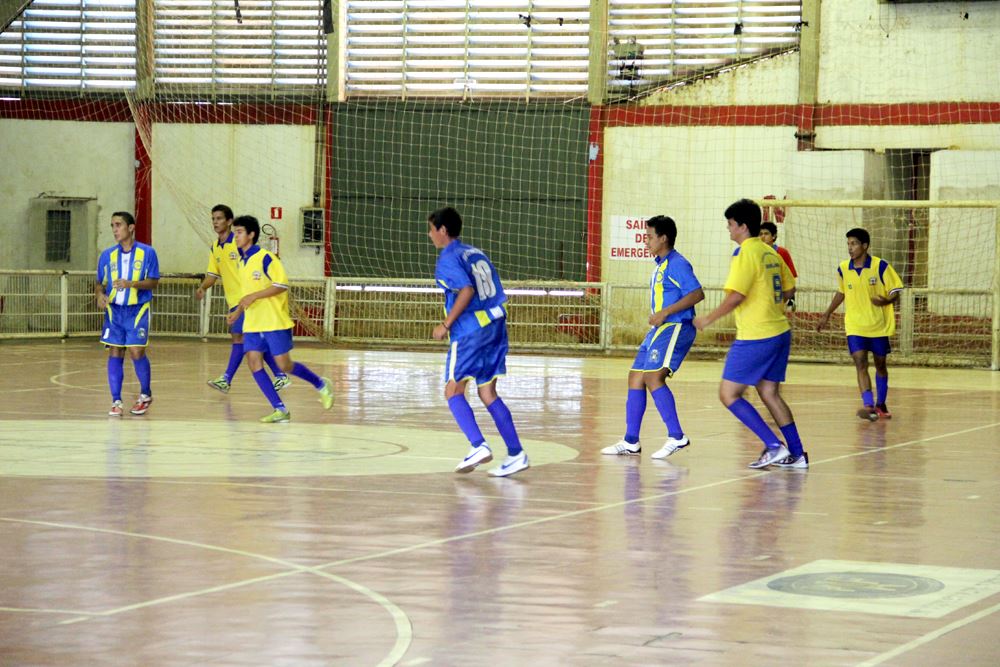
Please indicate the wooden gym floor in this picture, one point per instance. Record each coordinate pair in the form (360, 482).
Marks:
(196, 536)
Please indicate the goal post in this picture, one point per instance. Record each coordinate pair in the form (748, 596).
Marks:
(947, 253)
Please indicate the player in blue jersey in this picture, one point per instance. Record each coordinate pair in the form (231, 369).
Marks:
(127, 274)
(476, 325)
(224, 263)
(758, 285)
(268, 324)
(674, 291)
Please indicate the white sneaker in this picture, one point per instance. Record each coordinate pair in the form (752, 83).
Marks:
(476, 455)
(770, 455)
(117, 408)
(801, 463)
(511, 465)
(622, 448)
(671, 446)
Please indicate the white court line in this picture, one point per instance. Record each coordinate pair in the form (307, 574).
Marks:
(404, 629)
(929, 637)
(29, 610)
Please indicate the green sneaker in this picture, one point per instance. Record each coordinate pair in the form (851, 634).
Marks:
(220, 383)
(277, 417)
(281, 381)
(326, 394)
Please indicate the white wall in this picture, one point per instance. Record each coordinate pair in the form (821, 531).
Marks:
(771, 81)
(66, 158)
(250, 168)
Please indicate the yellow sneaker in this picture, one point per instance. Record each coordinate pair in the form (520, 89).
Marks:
(326, 394)
(277, 417)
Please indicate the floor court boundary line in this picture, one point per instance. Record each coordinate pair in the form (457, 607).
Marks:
(929, 637)
(404, 629)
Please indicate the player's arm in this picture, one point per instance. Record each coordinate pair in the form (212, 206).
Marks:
(462, 302)
(687, 301)
(210, 279)
(728, 305)
(266, 293)
(100, 295)
(145, 283)
(835, 302)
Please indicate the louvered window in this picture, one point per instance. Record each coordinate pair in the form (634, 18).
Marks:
(70, 44)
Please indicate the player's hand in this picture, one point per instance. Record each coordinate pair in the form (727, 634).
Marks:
(823, 320)
(102, 301)
(235, 315)
(199, 294)
(440, 331)
(121, 283)
(880, 300)
(700, 323)
(246, 301)
(657, 318)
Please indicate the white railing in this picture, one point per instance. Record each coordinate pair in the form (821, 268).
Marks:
(556, 316)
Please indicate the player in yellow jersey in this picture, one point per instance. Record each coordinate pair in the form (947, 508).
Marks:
(268, 325)
(224, 262)
(757, 288)
(127, 273)
(868, 287)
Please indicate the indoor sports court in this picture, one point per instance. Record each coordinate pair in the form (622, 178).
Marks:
(194, 534)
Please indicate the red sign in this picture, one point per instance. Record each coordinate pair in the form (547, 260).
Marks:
(275, 213)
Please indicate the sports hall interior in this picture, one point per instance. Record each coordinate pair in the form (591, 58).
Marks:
(194, 535)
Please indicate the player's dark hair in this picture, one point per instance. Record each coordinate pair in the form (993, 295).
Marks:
(771, 227)
(225, 210)
(249, 223)
(447, 217)
(664, 226)
(861, 235)
(126, 216)
(745, 212)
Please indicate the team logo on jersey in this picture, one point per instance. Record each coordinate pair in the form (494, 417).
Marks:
(654, 356)
(256, 275)
(232, 256)
(142, 332)
(871, 281)
(138, 264)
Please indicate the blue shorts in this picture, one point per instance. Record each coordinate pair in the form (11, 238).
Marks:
(481, 356)
(126, 326)
(665, 346)
(750, 361)
(275, 342)
(878, 346)
(237, 326)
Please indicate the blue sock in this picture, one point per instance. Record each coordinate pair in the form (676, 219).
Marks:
(882, 387)
(866, 398)
(747, 414)
(635, 407)
(463, 414)
(302, 371)
(792, 438)
(273, 365)
(267, 387)
(142, 372)
(116, 375)
(664, 400)
(505, 424)
(235, 359)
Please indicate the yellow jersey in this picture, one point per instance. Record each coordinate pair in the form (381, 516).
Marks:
(760, 275)
(861, 316)
(224, 263)
(259, 269)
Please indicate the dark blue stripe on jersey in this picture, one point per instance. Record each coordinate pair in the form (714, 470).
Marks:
(882, 265)
(266, 262)
(737, 251)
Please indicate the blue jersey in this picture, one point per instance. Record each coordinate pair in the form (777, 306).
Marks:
(139, 263)
(458, 266)
(672, 280)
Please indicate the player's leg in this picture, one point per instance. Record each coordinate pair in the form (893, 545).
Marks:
(136, 338)
(460, 366)
(770, 393)
(254, 343)
(223, 382)
(280, 373)
(880, 349)
(280, 344)
(859, 346)
(744, 368)
(673, 345)
(113, 337)
(635, 403)
(493, 364)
